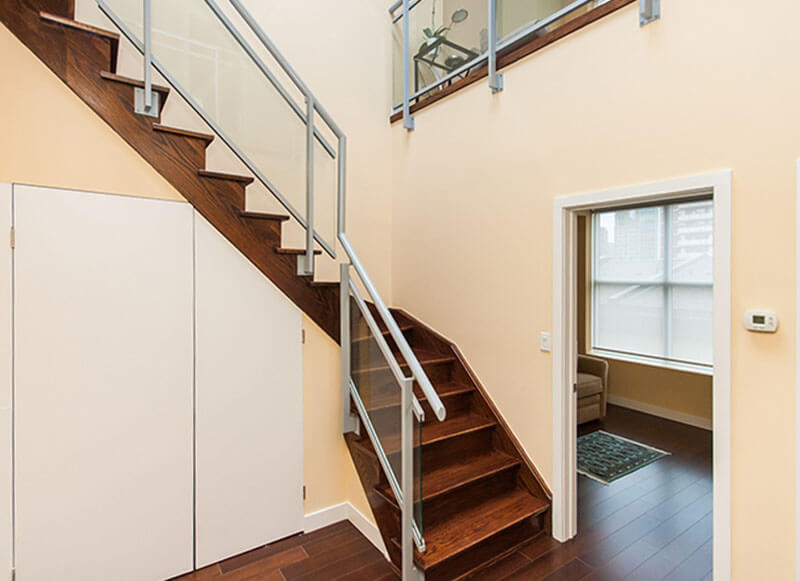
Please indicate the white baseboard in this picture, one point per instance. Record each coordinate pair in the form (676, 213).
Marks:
(345, 511)
(660, 412)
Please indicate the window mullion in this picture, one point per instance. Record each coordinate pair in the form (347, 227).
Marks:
(667, 281)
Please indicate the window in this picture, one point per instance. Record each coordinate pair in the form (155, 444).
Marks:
(652, 284)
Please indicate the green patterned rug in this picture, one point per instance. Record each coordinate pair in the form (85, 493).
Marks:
(605, 457)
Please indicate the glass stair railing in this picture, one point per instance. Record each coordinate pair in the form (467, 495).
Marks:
(292, 146)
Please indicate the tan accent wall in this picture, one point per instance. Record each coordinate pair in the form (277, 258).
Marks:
(678, 391)
(705, 88)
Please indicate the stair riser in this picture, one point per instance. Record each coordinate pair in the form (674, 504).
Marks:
(368, 348)
(389, 417)
(500, 481)
(384, 378)
(433, 454)
(443, 507)
(471, 563)
(65, 8)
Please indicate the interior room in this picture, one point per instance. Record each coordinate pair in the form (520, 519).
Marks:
(644, 383)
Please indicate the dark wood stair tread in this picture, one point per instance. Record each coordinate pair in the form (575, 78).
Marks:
(462, 471)
(435, 431)
(389, 396)
(71, 23)
(324, 283)
(184, 133)
(263, 216)
(218, 175)
(115, 78)
(425, 358)
(475, 524)
(295, 251)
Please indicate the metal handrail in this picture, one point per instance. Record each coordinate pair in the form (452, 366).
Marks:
(405, 350)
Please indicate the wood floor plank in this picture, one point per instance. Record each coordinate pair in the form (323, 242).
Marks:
(504, 567)
(350, 564)
(377, 570)
(624, 563)
(268, 568)
(572, 571)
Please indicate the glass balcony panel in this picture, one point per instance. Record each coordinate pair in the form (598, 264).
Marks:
(444, 37)
(514, 17)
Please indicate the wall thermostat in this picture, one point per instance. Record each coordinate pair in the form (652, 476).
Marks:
(761, 321)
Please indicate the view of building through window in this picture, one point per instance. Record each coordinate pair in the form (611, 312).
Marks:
(652, 282)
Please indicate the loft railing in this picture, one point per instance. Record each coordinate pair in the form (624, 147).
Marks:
(437, 42)
(207, 59)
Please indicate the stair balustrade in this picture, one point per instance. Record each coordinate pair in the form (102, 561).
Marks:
(200, 51)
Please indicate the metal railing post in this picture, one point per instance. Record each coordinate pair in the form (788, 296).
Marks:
(649, 10)
(495, 78)
(349, 421)
(305, 262)
(148, 58)
(145, 102)
(407, 479)
(341, 214)
(408, 120)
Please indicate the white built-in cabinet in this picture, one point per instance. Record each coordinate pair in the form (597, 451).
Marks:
(249, 436)
(155, 404)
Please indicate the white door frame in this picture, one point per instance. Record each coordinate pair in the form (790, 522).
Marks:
(797, 376)
(565, 211)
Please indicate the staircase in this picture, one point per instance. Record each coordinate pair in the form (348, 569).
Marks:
(476, 495)
(481, 498)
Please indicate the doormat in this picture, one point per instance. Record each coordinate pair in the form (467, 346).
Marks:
(605, 457)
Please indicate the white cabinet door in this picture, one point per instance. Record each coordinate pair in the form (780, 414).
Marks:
(103, 386)
(249, 438)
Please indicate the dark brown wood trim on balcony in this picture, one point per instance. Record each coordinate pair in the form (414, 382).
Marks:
(520, 49)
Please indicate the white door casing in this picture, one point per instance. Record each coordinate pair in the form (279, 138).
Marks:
(565, 346)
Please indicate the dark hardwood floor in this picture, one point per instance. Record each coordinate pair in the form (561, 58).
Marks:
(336, 553)
(652, 524)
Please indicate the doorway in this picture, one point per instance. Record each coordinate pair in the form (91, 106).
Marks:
(717, 187)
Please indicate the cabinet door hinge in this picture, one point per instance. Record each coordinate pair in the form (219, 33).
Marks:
(304, 491)
(12, 238)
(303, 336)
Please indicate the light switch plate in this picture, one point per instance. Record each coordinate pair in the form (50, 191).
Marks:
(544, 341)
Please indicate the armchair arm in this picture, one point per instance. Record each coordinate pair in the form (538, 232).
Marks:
(595, 366)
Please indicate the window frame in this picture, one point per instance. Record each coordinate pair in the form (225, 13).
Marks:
(666, 283)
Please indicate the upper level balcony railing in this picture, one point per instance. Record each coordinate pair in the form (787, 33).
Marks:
(437, 43)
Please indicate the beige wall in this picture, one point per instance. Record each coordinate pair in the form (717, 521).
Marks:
(705, 88)
(329, 473)
(51, 138)
(678, 391)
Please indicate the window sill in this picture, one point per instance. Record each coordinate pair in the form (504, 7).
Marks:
(523, 47)
(654, 362)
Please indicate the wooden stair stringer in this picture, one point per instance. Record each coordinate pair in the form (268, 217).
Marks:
(78, 56)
